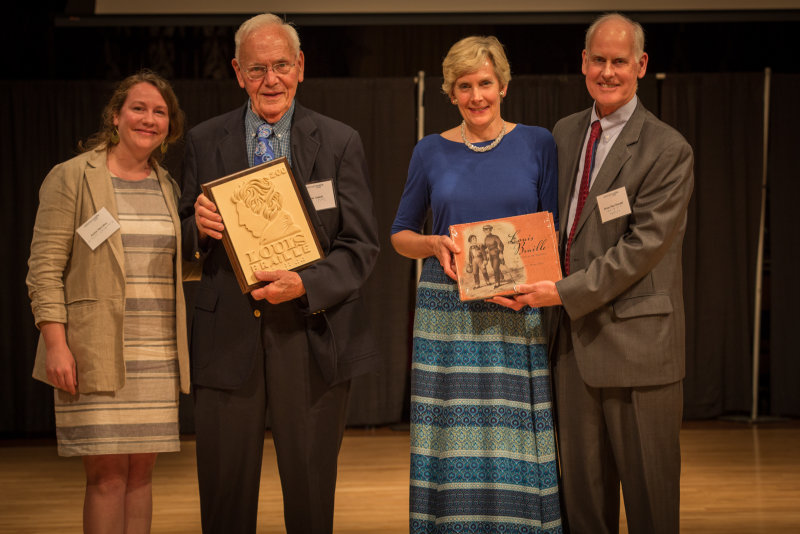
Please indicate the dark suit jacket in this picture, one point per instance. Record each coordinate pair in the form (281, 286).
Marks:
(225, 337)
(624, 297)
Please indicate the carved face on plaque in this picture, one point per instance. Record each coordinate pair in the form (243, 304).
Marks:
(260, 210)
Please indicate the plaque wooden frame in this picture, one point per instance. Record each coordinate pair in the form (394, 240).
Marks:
(528, 253)
(267, 226)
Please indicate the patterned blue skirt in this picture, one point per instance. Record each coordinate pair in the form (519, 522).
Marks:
(482, 443)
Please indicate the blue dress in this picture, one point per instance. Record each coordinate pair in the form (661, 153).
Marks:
(483, 453)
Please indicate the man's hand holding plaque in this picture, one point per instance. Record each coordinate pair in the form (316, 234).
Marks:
(206, 218)
(281, 286)
(262, 220)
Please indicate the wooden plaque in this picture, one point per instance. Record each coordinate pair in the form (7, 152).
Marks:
(498, 254)
(267, 227)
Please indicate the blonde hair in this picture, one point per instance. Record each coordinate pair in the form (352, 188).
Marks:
(469, 54)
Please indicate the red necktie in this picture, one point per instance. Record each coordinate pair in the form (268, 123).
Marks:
(583, 192)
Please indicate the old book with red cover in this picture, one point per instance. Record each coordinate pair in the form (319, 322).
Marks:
(498, 254)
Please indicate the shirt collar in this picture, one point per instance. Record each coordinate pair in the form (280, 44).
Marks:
(618, 118)
(280, 128)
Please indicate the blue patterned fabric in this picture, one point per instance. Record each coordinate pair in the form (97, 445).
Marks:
(483, 458)
(281, 139)
(263, 151)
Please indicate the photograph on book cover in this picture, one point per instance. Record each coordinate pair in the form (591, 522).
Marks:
(498, 254)
(266, 223)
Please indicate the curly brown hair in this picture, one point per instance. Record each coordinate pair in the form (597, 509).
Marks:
(114, 106)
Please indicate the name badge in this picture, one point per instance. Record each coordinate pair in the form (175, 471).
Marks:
(613, 205)
(98, 228)
(321, 194)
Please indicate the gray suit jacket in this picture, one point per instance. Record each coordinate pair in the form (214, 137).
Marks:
(624, 298)
(226, 325)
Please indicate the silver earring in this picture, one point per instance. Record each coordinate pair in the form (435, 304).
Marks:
(502, 94)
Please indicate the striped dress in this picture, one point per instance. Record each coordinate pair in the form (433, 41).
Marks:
(483, 458)
(142, 417)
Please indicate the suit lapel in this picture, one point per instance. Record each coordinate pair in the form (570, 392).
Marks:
(616, 158)
(568, 177)
(304, 145)
(232, 148)
(305, 148)
(98, 181)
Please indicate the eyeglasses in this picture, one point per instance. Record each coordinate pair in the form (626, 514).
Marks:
(257, 72)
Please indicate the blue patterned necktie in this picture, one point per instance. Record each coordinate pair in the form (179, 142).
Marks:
(263, 152)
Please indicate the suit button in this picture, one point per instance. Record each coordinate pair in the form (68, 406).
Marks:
(257, 313)
(197, 255)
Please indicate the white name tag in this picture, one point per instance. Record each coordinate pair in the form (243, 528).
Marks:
(321, 194)
(98, 228)
(613, 205)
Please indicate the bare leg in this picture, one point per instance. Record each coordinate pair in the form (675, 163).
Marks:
(139, 494)
(104, 503)
(119, 496)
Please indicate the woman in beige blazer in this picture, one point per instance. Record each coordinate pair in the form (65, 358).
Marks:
(104, 280)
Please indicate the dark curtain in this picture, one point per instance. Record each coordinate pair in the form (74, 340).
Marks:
(783, 245)
(721, 117)
(43, 122)
(383, 111)
(721, 238)
(368, 105)
(539, 100)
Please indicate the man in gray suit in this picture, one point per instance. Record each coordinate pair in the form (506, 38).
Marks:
(293, 345)
(618, 362)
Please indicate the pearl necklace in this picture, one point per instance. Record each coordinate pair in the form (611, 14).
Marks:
(482, 148)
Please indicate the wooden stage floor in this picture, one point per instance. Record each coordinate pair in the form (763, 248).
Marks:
(737, 478)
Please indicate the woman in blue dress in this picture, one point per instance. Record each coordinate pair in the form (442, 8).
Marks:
(483, 453)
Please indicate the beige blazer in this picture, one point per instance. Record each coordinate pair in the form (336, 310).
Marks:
(84, 289)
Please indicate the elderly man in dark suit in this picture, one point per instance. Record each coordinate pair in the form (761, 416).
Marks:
(625, 179)
(291, 346)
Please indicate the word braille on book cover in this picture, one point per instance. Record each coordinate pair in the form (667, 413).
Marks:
(499, 254)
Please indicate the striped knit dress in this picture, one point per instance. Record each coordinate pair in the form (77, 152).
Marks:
(142, 417)
(483, 458)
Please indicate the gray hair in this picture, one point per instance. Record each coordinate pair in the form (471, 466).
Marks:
(638, 32)
(266, 19)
